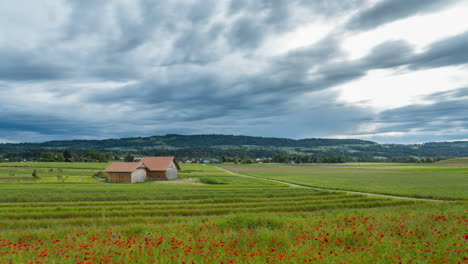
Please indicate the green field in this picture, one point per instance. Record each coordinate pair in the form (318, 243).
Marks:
(410, 180)
(211, 216)
(47, 171)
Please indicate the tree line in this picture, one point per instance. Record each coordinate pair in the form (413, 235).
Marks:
(230, 155)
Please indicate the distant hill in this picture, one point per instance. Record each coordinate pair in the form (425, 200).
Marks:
(216, 145)
(191, 141)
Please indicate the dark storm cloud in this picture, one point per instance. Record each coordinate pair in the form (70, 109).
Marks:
(391, 10)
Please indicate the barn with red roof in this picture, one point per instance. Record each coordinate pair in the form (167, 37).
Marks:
(146, 168)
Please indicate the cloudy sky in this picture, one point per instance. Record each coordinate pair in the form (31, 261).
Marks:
(392, 71)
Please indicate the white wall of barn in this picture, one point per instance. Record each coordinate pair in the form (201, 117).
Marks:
(171, 172)
(139, 175)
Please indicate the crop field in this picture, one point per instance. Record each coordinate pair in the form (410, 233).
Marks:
(409, 180)
(211, 216)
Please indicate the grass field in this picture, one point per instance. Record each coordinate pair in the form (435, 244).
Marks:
(426, 181)
(219, 218)
(47, 171)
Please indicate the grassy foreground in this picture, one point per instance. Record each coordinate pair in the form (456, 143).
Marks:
(232, 219)
(424, 234)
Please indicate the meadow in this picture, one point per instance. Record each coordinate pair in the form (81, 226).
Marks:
(211, 216)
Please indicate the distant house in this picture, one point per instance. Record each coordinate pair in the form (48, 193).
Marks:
(147, 167)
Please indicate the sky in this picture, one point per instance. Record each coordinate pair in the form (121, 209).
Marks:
(390, 71)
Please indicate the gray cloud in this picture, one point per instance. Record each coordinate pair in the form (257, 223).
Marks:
(390, 10)
(390, 54)
(13, 124)
(18, 65)
(247, 32)
(448, 95)
(450, 51)
(446, 112)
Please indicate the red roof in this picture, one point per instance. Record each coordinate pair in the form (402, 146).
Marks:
(159, 163)
(123, 167)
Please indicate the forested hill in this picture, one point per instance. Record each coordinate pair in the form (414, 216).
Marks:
(189, 141)
(229, 145)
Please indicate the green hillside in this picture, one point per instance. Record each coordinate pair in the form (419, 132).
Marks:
(230, 145)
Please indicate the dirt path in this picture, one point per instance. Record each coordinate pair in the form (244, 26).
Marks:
(334, 190)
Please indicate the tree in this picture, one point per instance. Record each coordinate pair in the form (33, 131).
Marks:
(92, 155)
(12, 175)
(247, 161)
(67, 154)
(428, 160)
(102, 157)
(129, 158)
(60, 176)
(48, 157)
(60, 157)
(35, 175)
(77, 158)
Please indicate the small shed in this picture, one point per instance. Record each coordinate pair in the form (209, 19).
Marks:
(129, 172)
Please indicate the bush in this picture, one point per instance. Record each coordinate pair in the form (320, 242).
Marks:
(35, 175)
(99, 174)
(211, 181)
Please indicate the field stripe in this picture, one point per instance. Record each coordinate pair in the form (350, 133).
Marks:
(337, 190)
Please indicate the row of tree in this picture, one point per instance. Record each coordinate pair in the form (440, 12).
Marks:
(97, 156)
(90, 156)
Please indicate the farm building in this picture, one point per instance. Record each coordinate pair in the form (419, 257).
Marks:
(126, 172)
(161, 167)
(147, 167)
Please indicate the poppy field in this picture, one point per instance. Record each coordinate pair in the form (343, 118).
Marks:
(231, 221)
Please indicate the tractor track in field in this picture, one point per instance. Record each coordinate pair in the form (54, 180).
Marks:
(334, 190)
